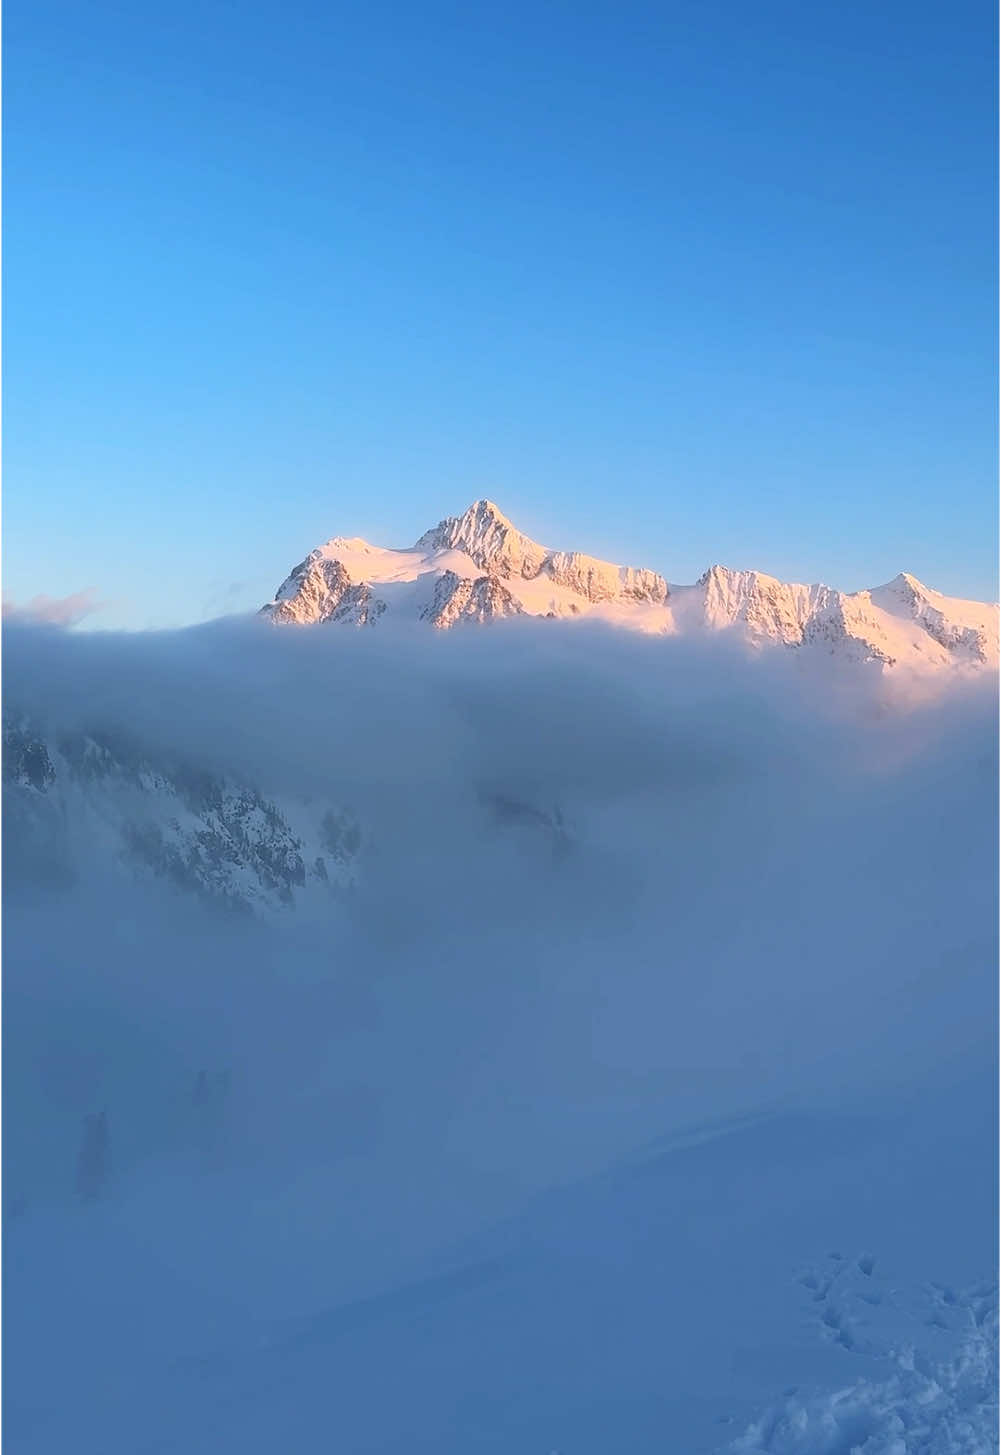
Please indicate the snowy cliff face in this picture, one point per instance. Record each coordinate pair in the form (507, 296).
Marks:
(320, 589)
(457, 598)
(89, 797)
(598, 581)
(478, 567)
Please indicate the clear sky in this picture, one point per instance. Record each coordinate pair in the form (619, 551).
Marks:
(673, 283)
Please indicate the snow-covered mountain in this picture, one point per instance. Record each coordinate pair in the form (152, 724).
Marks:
(97, 798)
(72, 799)
(479, 567)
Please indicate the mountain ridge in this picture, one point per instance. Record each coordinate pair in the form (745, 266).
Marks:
(478, 567)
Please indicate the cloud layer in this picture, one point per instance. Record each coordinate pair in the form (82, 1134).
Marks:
(772, 894)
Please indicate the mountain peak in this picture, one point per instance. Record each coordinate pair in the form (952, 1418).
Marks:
(488, 538)
(476, 517)
(484, 509)
(904, 581)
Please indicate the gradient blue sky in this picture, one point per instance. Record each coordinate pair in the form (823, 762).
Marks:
(673, 283)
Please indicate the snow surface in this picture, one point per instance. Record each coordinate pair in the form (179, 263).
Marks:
(664, 1305)
(926, 1400)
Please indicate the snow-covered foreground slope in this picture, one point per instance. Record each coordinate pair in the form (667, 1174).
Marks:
(661, 1122)
(479, 567)
(808, 1282)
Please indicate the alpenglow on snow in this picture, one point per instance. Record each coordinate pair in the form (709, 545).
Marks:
(478, 567)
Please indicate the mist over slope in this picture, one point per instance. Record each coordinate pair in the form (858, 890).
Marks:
(661, 973)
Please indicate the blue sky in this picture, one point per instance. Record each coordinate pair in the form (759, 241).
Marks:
(672, 283)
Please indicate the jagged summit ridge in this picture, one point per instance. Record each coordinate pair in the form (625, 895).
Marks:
(471, 567)
(478, 567)
(489, 539)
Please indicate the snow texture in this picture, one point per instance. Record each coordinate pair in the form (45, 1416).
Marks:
(922, 1401)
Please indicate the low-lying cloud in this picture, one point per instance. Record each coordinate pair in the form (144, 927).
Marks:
(777, 883)
(55, 610)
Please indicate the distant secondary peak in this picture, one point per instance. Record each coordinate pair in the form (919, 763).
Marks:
(718, 573)
(904, 581)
